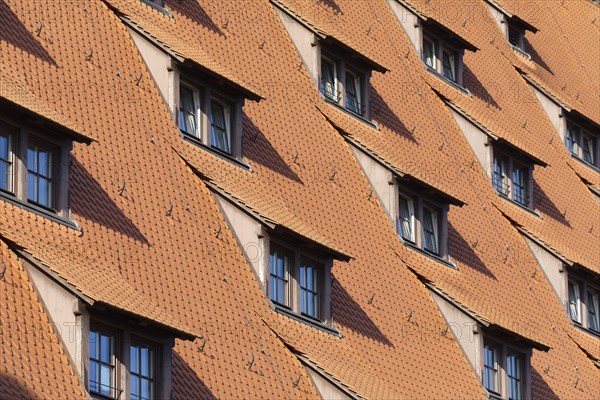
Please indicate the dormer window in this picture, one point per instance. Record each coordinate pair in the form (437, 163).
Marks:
(344, 85)
(512, 26)
(512, 178)
(515, 36)
(34, 164)
(504, 373)
(442, 58)
(209, 117)
(583, 299)
(422, 220)
(583, 144)
(297, 282)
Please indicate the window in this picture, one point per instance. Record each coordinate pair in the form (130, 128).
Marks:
(329, 79)
(32, 172)
(422, 221)
(120, 360)
(406, 222)
(343, 84)
(582, 143)
(220, 134)
(102, 362)
(514, 36)
(142, 367)
(574, 302)
(209, 119)
(592, 306)
(353, 89)
(490, 367)
(511, 178)
(298, 283)
(583, 302)
(189, 110)
(6, 162)
(309, 290)
(504, 372)
(40, 173)
(430, 230)
(279, 266)
(450, 57)
(514, 374)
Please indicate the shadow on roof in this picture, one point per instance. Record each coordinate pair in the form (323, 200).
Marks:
(535, 56)
(463, 252)
(186, 381)
(10, 388)
(89, 201)
(331, 4)
(385, 116)
(479, 90)
(353, 316)
(545, 206)
(258, 149)
(539, 386)
(15, 32)
(194, 11)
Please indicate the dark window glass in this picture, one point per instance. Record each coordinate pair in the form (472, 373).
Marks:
(279, 277)
(41, 160)
(6, 162)
(102, 363)
(309, 291)
(142, 374)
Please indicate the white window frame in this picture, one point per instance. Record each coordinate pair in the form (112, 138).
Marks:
(9, 162)
(577, 301)
(511, 164)
(434, 46)
(336, 81)
(198, 114)
(411, 205)
(578, 141)
(228, 133)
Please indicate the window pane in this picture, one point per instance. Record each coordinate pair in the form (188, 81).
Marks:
(4, 147)
(588, 149)
(32, 187)
(353, 102)
(499, 178)
(44, 161)
(134, 359)
(188, 111)
(406, 219)
(135, 387)
(105, 380)
(520, 185)
(145, 361)
(430, 230)
(429, 53)
(146, 391)
(328, 80)
(94, 345)
(593, 316)
(105, 349)
(220, 134)
(449, 65)
(94, 377)
(31, 159)
(44, 192)
(574, 302)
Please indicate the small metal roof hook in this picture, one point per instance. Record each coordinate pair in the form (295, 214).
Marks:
(89, 56)
(3, 272)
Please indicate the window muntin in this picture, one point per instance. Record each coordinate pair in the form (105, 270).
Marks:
(520, 185)
(329, 79)
(102, 363)
(593, 304)
(514, 375)
(220, 133)
(189, 110)
(41, 159)
(574, 301)
(6, 162)
(490, 367)
(310, 291)
(279, 266)
(353, 92)
(429, 53)
(142, 366)
(449, 64)
(406, 222)
(430, 229)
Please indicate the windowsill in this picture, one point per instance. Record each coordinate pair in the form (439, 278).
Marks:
(494, 396)
(429, 254)
(586, 330)
(39, 211)
(586, 163)
(195, 141)
(521, 206)
(161, 9)
(307, 320)
(448, 81)
(349, 112)
(521, 51)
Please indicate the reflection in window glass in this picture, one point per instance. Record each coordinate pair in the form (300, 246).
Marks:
(102, 364)
(142, 362)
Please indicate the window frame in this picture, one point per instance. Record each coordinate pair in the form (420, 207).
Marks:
(198, 105)
(23, 135)
(443, 48)
(576, 136)
(9, 161)
(301, 257)
(276, 249)
(115, 344)
(412, 209)
(505, 347)
(422, 201)
(155, 363)
(52, 171)
(506, 186)
(227, 107)
(586, 289)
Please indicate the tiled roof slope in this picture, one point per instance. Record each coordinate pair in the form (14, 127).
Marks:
(325, 189)
(147, 221)
(33, 364)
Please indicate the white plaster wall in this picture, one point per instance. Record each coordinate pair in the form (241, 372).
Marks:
(478, 140)
(553, 269)
(553, 110)
(410, 22)
(381, 181)
(326, 390)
